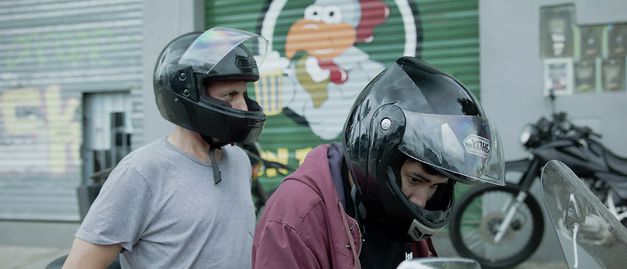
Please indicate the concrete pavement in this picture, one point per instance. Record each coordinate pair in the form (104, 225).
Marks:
(22, 257)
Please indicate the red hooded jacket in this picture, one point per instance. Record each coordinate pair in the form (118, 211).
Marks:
(304, 224)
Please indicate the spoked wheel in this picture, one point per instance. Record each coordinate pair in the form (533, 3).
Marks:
(619, 210)
(477, 220)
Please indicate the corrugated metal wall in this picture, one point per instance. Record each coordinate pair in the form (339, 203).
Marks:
(443, 32)
(51, 52)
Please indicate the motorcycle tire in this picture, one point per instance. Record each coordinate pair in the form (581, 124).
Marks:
(483, 229)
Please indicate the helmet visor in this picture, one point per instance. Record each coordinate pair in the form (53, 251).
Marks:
(467, 146)
(214, 44)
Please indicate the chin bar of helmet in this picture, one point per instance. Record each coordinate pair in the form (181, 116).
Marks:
(417, 231)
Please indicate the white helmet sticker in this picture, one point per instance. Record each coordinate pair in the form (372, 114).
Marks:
(477, 145)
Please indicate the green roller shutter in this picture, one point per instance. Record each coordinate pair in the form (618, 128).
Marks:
(444, 33)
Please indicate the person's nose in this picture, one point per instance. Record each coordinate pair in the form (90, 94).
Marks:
(419, 196)
(240, 103)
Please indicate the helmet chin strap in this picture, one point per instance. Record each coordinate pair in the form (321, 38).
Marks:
(359, 209)
(217, 177)
(356, 196)
(417, 231)
(213, 145)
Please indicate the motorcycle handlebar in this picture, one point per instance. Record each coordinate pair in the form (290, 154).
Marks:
(563, 125)
(586, 131)
(276, 165)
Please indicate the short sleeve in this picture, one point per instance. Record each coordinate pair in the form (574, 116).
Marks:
(121, 211)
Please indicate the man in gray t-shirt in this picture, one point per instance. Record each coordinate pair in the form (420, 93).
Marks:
(184, 201)
(162, 207)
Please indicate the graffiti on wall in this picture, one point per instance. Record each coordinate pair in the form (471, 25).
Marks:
(319, 61)
(42, 125)
(34, 48)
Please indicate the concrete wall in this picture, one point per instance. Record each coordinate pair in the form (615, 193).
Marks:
(512, 82)
(163, 21)
(512, 71)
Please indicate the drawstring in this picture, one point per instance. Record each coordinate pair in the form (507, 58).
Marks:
(351, 240)
(214, 165)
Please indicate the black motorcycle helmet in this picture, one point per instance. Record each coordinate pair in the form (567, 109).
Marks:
(412, 110)
(185, 67)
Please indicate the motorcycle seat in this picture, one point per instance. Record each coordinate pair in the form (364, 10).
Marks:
(616, 163)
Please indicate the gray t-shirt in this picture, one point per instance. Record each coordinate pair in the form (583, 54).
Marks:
(162, 206)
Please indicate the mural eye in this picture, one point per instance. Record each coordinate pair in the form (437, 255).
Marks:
(332, 15)
(313, 13)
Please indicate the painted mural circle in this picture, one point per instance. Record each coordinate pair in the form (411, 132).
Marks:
(322, 53)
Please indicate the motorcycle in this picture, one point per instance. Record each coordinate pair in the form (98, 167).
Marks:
(589, 235)
(488, 217)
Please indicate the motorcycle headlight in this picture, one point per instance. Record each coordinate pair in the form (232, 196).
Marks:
(529, 135)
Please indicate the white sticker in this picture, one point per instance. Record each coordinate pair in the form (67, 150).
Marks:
(477, 145)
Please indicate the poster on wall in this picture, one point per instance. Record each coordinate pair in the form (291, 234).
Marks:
(557, 24)
(590, 41)
(617, 40)
(558, 76)
(585, 72)
(581, 58)
(613, 70)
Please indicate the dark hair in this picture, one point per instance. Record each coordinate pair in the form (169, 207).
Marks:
(401, 158)
(430, 170)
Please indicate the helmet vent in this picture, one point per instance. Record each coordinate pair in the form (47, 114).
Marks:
(244, 62)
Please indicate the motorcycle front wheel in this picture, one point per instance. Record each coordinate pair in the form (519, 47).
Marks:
(476, 221)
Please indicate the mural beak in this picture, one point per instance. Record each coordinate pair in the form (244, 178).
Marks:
(319, 39)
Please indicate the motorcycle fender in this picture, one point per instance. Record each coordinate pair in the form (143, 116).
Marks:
(517, 165)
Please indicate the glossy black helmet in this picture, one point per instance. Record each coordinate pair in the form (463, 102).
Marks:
(412, 110)
(191, 61)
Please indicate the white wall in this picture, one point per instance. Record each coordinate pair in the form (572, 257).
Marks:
(512, 71)
(512, 82)
(163, 21)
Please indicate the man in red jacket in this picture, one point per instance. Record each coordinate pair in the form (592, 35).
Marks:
(377, 198)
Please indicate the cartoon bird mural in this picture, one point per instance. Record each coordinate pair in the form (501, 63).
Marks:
(326, 71)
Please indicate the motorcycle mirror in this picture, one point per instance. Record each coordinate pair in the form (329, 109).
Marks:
(439, 263)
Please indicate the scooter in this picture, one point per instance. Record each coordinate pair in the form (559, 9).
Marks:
(589, 235)
(503, 226)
